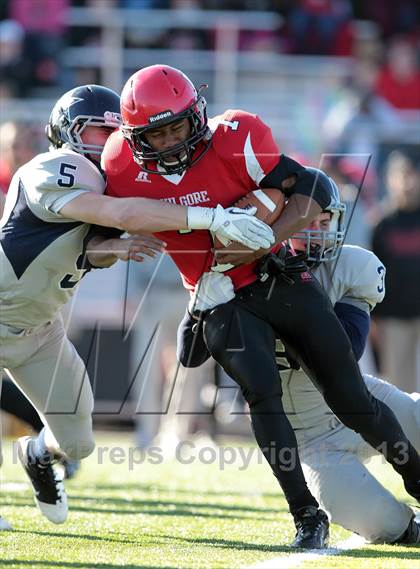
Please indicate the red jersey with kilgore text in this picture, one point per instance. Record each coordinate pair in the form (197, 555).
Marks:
(242, 153)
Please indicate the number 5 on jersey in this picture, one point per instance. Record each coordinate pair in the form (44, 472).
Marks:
(67, 172)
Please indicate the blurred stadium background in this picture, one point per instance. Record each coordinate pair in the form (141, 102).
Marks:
(337, 80)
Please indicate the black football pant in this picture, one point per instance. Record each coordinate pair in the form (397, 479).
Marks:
(240, 335)
(13, 401)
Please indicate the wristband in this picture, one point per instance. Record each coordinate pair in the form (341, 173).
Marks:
(200, 217)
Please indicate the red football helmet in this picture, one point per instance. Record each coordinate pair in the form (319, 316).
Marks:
(156, 96)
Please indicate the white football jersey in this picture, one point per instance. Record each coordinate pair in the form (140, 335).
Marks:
(41, 252)
(357, 278)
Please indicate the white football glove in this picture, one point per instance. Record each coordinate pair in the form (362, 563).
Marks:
(211, 290)
(232, 224)
(236, 224)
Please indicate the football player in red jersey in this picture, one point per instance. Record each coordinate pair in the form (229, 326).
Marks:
(168, 150)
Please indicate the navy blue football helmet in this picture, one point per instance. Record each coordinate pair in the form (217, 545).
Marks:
(88, 105)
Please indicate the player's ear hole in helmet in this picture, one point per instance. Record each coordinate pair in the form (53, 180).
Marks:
(153, 98)
(88, 105)
(320, 245)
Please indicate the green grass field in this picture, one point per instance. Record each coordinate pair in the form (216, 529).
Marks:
(167, 515)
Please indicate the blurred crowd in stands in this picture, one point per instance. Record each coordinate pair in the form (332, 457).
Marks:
(379, 177)
(34, 33)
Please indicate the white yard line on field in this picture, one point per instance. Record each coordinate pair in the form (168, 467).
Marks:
(294, 560)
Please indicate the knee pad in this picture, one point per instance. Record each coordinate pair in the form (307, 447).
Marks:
(76, 439)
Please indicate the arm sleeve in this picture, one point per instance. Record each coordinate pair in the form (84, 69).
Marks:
(307, 182)
(191, 350)
(356, 323)
(285, 168)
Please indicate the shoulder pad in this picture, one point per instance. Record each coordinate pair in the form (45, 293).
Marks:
(116, 155)
(63, 170)
(52, 179)
(246, 143)
(364, 274)
(232, 120)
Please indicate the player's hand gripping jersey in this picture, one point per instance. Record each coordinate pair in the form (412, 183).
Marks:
(41, 252)
(242, 153)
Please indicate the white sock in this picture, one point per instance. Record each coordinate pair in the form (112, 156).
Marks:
(38, 449)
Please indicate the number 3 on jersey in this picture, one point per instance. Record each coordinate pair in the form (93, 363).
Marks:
(71, 280)
(381, 273)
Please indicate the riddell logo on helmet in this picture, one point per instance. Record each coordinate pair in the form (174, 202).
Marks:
(160, 116)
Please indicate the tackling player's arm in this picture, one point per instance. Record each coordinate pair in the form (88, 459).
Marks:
(128, 214)
(356, 323)
(366, 288)
(103, 252)
(136, 215)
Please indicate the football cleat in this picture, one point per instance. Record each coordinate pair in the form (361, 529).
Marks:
(411, 534)
(4, 525)
(50, 496)
(312, 528)
(70, 467)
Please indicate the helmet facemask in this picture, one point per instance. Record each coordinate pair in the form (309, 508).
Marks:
(185, 153)
(320, 246)
(75, 130)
